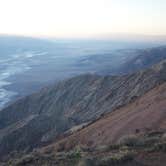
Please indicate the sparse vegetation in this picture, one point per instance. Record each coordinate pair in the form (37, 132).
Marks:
(117, 158)
(102, 148)
(130, 140)
(161, 146)
(104, 155)
(114, 146)
(74, 154)
(164, 137)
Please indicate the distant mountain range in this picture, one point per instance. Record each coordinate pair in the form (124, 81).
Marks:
(22, 60)
(144, 59)
(124, 61)
(10, 44)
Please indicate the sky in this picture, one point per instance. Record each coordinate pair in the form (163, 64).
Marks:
(82, 18)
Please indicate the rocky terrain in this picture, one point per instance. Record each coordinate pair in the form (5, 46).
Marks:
(145, 114)
(133, 135)
(39, 119)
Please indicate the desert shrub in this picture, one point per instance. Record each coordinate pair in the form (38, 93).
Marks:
(161, 146)
(114, 147)
(102, 148)
(149, 141)
(127, 156)
(87, 162)
(24, 160)
(74, 154)
(87, 148)
(117, 158)
(164, 137)
(130, 140)
(124, 148)
(60, 147)
(106, 148)
(154, 133)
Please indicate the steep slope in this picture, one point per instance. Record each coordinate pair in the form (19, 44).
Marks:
(41, 117)
(134, 135)
(145, 114)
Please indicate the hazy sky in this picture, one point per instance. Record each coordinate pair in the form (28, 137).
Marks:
(82, 18)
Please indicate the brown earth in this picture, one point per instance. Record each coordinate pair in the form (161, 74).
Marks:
(145, 114)
(96, 144)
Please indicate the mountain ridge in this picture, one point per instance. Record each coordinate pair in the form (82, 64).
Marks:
(111, 139)
(41, 117)
(146, 114)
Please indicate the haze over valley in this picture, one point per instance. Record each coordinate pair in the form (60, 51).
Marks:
(28, 64)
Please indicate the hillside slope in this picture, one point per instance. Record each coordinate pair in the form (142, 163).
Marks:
(133, 135)
(145, 114)
(41, 117)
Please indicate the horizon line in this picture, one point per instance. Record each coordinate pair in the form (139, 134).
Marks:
(109, 36)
